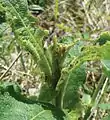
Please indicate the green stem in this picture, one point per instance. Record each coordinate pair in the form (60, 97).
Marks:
(101, 81)
(100, 84)
(56, 10)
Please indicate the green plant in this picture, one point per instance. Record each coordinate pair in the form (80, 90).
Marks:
(13, 106)
(63, 63)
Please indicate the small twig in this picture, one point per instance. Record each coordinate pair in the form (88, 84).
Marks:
(21, 58)
(11, 65)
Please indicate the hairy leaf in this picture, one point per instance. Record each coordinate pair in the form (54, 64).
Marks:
(30, 37)
(46, 93)
(14, 106)
(72, 78)
(75, 79)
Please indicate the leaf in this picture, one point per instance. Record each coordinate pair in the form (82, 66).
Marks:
(66, 40)
(104, 51)
(76, 78)
(74, 75)
(46, 93)
(106, 67)
(104, 37)
(14, 106)
(74, 115)
(86, 36)
(42, 3)
(74, 52)
(104, 106)
(106, 118)
(69, 86)
(26, 34)
(86, 99)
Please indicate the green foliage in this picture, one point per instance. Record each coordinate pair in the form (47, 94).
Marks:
(104, 51)
(2, 14)
(103, 38)
(106, 67)
(70, 81)
(106, 118)
(86, 99)
(74, 114)
(15, 106)
(46, 91)
(105, 106)
(63, 63)
(42, 3)
(21, 22)
(75, 79)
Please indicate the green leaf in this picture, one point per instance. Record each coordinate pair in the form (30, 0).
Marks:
(42, 3)
(19, 7)
(104, 37)
(26, 34)
(106, 118)
(104, 51)
(76, 78)
(72, 80)
(74, 52)
(46, 93)
(86, 99)
(74, 114)
(105, 106)
(66, 40)
(106, 67)
(86, 36)
(14, 106)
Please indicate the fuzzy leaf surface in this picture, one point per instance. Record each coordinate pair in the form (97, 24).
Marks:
(13, 106)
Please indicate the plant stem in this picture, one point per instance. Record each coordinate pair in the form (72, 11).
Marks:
(21, 58)
(93, 103)
(102, 79)
(56, 10)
